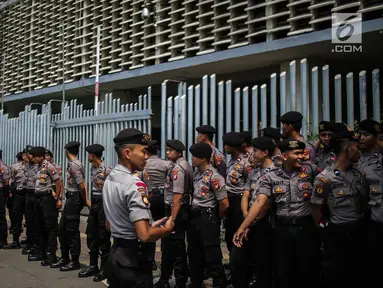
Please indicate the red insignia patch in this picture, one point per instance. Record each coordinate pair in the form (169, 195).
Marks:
(320, 170)
(305, 186)
(306, 154)
(306, 195)
(73, 172)
(218, 159)
(216, 183)
(141, 184)
(248, 168)
(175, 174)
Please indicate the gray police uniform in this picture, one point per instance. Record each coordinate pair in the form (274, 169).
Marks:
(237, 173)
(70, 218)
(157, 169)
(277, 160)
(98, 238)
(294, 225)
(218, 161)
(309, 150)
(342, 192)
(324, 158)
(204, 227)
(45, 209)
(18, 195)
(125, 202)
(4, 193)
(29, 186)
(144, 176)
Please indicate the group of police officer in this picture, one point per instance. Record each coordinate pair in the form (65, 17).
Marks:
(295, 213)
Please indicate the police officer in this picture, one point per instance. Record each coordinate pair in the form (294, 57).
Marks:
(97, 236)
(340, 187)
(76, 196)
(46, 207)
(247, 147)
(324, 156)
(209, 205)
(30, 170)
(128, 214)
(4, 194)
(18, 195)
(368, 130)
(275, 135)
(296, 240)
(291, 127)
(49, 158)
(178, 185)
(238, 170)
(250, 264)
(217, 160)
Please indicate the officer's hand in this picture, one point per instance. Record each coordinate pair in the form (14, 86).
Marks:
(245, 214)
(88, 203)
(160, 222)
(59, 204)
(169, 225)
(54, 194)
(239, 235)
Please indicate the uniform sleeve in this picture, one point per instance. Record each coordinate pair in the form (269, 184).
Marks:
(320, 190)
(178, 178)
(52, 172)
(6, 174)
(137, 201)
(107, 171)
(220, 164)
(265, 186)
(247, 183)
(219, 187)
(76, 172)
(146, 179)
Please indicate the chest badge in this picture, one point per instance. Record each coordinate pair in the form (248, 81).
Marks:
(303, 175)
(373, 189)
(102, 174)
(99, 184)
(175, 174)
(278, 190)
(305, 186)
(306, 195)
(340, 193)
(145, 199)
(319, 190)
(206, 178)
(216, 184)
(238, 166)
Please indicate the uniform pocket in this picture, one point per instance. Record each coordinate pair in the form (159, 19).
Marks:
(234, 177)
(341, 198)
(279, 192)
(375, 195)
(304, 191)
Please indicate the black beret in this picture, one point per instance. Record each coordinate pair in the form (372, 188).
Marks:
(38, 151)
(131, 136)
(48, 152)
(346, 135)
(201, 150)
(206, 129)
(152, 143)
(1, 151)
(264, 143)
(291, 117)
(271, 132)
(234, 139)
(72, 144)
(371, 126)
(291, 144)
(28, 149)
(19, 155)
(94, 148)
(338, 126)
(326, 126)
(247, 135)
(176, 145)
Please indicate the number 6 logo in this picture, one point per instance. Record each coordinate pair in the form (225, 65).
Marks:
(345, 26)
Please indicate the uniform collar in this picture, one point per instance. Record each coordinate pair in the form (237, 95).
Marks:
(179, 160)
(122, 168)
(154, 157)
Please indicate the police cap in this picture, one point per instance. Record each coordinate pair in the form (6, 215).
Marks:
(27, 149)
(152, 143)
(201, 150)
(346, 136)
(72, 144)
(271, 132)
(291, 117)
(176, 145)
(38, 151)
(338, 126)
(234, 139)
(290, 144)
(264, 143)
(370, 126)
(48, 152)
(206, 129)
(247, 135)
(19, 155)
(94, 148)
(131, 136)
(326, 126)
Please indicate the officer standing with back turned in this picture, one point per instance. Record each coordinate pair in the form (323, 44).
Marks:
(97, 236)
(127, 211)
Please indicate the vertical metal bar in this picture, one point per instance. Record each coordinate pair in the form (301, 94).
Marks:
(293, 94)
(228, 106)
(190, 120)
(314, 99)
(304, 96)
(140, 108)
(326, 92)
(197, 108)
(363, 95)
(273, 100)
(237, 110)
(150, 109)
(245, 108)
(254, 109)
(204, 100)
(213, 101)
(163, 119)
(183, 119)
(176, 117)
(169, 134)
(376, 95)
(338, 98)
(282, 79)
(264, 105)
(350, 99)
(221, 112)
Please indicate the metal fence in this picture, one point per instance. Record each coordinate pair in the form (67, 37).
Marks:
(74, 123)
(312, 93)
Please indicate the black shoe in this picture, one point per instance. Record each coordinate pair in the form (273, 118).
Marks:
(24, 242)
(91, 270)
(226, 266)
(13, 245)
(162, 284)
(3, 244)
(154, 266)
(36, 257)
(100, 276)
(72, 265)
(27, 250)
(60, 263)
(51, 259)
(253, 282)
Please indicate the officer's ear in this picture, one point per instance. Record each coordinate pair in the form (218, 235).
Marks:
(284, 156)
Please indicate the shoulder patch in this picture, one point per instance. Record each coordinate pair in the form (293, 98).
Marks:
(249, 168)
(145, 199)
(216, 183)
(141, 184)
(175, 174)
(324, 180)
(218, 159)
(146, 174)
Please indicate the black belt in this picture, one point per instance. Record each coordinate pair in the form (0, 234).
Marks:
(202, 211)
(20, 192)
(158, 190)
(230, 195)
(71, 193)
(293, 221)
(96, 198)
(126, 243)
(30, 191)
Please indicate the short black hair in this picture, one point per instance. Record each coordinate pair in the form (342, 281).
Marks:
(73, 150)
(98, 155)
(297, 126)
(152, 150)
(339, 145)
(209, 136)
